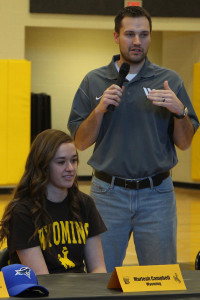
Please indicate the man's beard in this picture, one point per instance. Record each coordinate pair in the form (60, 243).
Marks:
(134, 60)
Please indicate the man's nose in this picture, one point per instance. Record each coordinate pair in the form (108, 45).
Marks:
(136, 39)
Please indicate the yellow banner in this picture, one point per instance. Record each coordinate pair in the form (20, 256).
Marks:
(3, 288)
(147, 278)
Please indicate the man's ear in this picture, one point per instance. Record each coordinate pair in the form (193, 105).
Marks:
(116, 37)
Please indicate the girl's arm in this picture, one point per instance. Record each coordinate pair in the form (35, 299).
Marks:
(94, 257)
(34, 259)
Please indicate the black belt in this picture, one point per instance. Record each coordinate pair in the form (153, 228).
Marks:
(133, 184)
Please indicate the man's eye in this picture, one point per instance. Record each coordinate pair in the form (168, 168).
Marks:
(129, 34)
(144, 34)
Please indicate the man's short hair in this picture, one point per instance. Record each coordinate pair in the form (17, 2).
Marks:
(133, 12)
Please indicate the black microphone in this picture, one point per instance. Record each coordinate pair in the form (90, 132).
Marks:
(123, 72)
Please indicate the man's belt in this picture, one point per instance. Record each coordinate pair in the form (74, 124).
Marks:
(133, 184)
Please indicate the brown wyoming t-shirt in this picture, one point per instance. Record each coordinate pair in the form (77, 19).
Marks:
(68, 237)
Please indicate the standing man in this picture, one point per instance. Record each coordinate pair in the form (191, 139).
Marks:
(134, 144)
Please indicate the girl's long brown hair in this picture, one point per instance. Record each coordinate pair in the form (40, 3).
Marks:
(32, 186)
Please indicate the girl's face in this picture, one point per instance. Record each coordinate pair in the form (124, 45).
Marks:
(63, 167)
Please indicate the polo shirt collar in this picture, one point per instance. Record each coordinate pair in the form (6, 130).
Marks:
(112, 71)
(146, 71)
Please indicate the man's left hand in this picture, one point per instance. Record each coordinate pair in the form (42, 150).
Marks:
(166, 98)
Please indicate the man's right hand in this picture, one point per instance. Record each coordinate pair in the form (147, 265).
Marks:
(111, 96)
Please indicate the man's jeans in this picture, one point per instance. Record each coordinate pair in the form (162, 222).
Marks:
(149, 213)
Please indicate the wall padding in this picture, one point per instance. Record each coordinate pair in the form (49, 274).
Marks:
(196, 141)
(15, 93)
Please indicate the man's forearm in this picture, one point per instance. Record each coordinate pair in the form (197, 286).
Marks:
(183, 133)
(88, 131)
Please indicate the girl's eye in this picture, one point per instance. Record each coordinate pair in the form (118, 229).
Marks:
(61, 162)
(74, 160)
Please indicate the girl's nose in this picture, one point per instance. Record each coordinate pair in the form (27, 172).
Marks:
(69, 166)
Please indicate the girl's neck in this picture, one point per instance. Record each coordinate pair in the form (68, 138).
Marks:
(56, 195)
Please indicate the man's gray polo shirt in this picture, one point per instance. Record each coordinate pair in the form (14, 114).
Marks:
(136, 139)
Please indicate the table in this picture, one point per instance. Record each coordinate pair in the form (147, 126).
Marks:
(75, 286)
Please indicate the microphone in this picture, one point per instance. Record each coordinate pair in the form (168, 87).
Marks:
(123, 72)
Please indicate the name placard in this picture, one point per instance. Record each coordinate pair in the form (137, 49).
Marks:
(3, 288)
(147, 278)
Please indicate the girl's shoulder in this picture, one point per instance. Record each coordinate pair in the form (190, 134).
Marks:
(87, 203)
(85, 199)
(23, 208)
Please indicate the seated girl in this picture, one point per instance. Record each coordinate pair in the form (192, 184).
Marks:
(50, 225)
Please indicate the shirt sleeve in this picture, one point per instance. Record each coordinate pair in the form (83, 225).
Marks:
(183, 96)
(96, 224)
(81, 107)
(21, 231)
